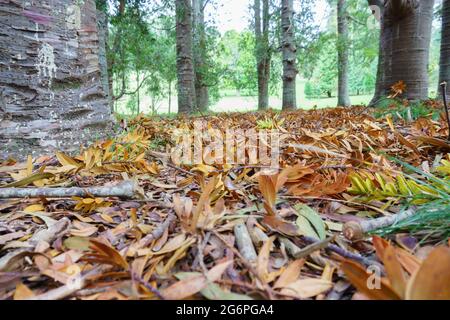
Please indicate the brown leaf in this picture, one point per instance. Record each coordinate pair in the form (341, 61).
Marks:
(192, 285)
(358, 276)
(432, 280)
(394, 271)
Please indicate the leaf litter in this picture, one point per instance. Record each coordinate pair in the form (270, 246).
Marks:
(222, 231)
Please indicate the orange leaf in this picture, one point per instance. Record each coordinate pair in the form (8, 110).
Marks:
(394, 271)
(267, 188)
(291, 274)
(380, 246)
(281, 225)
(432, 280)
(359, 277)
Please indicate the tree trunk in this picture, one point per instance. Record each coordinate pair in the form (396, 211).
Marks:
(343, 43)
(289, 55)
(102, 25)
(444, 70)
(50, 77)
(185, 64)
(380, 92)
(200, 65)
(405, 41)
(263, 55)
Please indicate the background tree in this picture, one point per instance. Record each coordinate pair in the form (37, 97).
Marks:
(444, 65)
(185, 63)
(51, 95)
(200, 55)
(262, 51)
(405, 46)
(343, 47)
(289, 52)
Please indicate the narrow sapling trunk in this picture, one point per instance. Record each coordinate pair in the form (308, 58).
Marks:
(289, 55)
(343, 43)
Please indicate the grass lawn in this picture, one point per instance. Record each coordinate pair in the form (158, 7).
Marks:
(232, 102)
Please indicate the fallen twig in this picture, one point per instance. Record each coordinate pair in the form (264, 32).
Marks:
(355, 230)
(158, 232)
(244, 242)
(247, 264)
(124, 189)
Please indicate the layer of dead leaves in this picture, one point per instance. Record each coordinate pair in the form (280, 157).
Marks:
(177, 238)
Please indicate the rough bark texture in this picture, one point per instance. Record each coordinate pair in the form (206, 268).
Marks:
(200, 65)
(343, 67)
(185, 64)
(405, 44)
(444, 71)
(263, 55)
(289, 55)
(102, 26)
(50, 87)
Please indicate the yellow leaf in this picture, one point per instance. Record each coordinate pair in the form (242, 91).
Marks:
(307, 288)
(34, 208)
(22, 292)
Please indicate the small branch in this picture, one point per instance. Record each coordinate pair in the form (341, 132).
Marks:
(247, 264)
(124, 189)
(158, 232)
(244, 242)
(355, 230)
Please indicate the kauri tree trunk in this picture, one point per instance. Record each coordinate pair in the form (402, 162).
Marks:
(405, 44)
(444, 66)
(289, 55)
(200, 65)
(343, 43)
(51, 94)
(185, 63)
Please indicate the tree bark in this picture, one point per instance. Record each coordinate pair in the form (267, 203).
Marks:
(382, 52)
(263, 55)
(185, 64)
(200, 65)
(343, 42)
(405, 44)
(289, 55)
(50, 77)
(102, 25)
(444, 65)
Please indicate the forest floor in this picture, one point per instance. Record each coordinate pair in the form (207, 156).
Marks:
(359, 209)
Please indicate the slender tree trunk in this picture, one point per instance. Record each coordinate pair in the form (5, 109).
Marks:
(50, 79)
(380, 92)
(343, 43)
(444, 70)
(262, 52)
(170, 97)
(138, 92)
(200, 65)
(289, 55)
(408, 35)
(185, 64)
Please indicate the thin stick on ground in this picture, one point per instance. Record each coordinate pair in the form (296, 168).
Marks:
(354, 230)
(244, 242)
(247, 264)
(125, 189)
